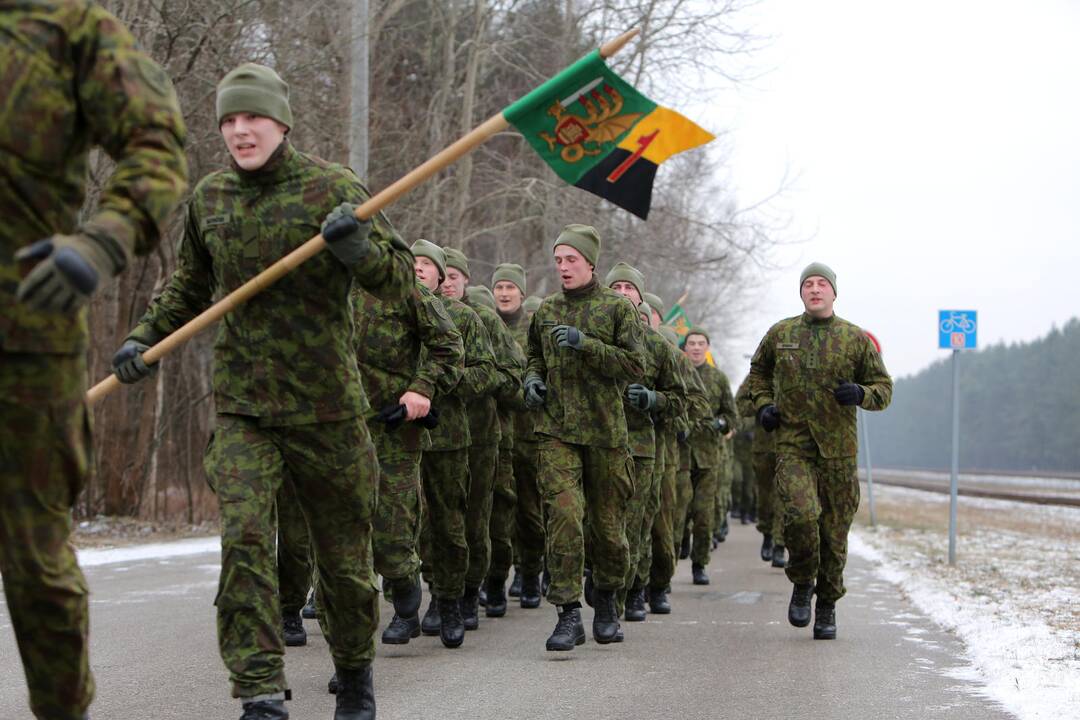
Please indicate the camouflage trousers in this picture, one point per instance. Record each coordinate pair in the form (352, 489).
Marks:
(744, 490)
(664, 556)
(529, 540)
(725, 480)
(396, 529)
(333, 467)
(444, 549)
(639, 516)
(769, 513)
(703, 512)
(44, 460)
(819, 497)
(295, 562)
(684, 494)
(483, 464)
(502, 526)
(581, 487)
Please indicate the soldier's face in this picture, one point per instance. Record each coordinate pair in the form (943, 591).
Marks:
(455, 283)
(251, 139)
(818, 296)
(508, 296)
(655, 321)
(574, 270)
(697, 346)
(627, 289)
(427, 272)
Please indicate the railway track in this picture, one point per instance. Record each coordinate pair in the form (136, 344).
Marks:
(967, 489)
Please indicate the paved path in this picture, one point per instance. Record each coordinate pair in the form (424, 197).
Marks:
(726, 652)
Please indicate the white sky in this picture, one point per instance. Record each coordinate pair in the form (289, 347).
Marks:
(937, 149)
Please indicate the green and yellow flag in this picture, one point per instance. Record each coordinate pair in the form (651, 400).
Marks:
(676, 317)
(600, 134)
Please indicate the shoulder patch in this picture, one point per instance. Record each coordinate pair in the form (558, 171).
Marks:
(215, 221)
(787, 346)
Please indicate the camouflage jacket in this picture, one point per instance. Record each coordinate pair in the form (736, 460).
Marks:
(798, 365)
(706, 442)
(524, 420)
(488, 417)
(661, 375)
(478, 380)
(389, 339)
(585, 387)
(760, 441)
(286, 356)
(696, 406)
(70, 78)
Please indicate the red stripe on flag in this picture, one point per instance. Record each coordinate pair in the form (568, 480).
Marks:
(643, 142)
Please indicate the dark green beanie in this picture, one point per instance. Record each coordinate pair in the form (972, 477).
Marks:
(456, 259)
(256, 89)
(626, 273)
(697, 331)
(818, 269)
(655, 303)
(510, 272)
(532, 303)
(644, 309)
(480, 295)
(582, 238)
(434, 253)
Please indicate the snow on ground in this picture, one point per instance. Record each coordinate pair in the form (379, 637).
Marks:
(1011, 597)
(151, 551)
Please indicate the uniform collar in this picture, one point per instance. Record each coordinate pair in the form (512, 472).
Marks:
(273, 171)
(584, 291)
(511, 318)
(814, 322)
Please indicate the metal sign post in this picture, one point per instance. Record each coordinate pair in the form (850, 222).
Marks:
(957, 330)
(869, 466)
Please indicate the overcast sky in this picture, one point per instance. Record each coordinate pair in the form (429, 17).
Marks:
(937, 149)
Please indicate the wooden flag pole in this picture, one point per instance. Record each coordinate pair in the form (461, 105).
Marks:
(281, 268)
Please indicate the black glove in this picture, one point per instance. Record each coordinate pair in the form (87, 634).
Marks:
(346, 235)
(641, 397)
(768, 418)
(719, 424)
(535, 392)
(392, 415)
(848, 393)
(431, 420)
(681, 436)
(68, 269)
(128, 364)
(568, 336)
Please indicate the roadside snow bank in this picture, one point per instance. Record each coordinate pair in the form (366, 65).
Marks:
(151, 551)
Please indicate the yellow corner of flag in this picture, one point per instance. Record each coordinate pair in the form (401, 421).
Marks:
(668, 133)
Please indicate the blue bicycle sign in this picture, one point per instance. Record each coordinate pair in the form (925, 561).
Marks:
(957, 329)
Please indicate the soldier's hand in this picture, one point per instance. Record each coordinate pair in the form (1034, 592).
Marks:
(848, 393)
(681, 436)
(67, 270)
(768, 418)
(719, 424)
(392, 416)
(568, 336)
(641, 397)
(431, 420)
(346, 235)
(416, 405)
(535, 392)
(128, 365)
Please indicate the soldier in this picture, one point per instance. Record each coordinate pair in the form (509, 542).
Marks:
(510, 284)
(486, 429)
(807, 377)
(532, 304)
(444, 468)
(706, 452)
(284, 408)
(656, 317)
(81, 83)
(660, 392)
(585, 345)
(762, 468)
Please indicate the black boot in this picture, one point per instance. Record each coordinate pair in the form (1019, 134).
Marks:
(355, 695)
(744, 518)
(432, 622)
(721, 534)
(470, 608)
(589, 588)
(635, 605)
(824, 621)
(658, 602)
(309, 612)
(569, 630)
(778, 559)
(700, 578)
(530, 592)
(452, 629)
(545, 582)
(265, 710)
(406, 595)
(684, 549)
(798, 612)
(293, 631)
(331, 687)
(401, 630)
(766, 547)
(481, 596)
(605, 624)
(515, 584)
(496, 598)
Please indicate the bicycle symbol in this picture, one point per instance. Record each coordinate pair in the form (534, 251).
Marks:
(958, 322)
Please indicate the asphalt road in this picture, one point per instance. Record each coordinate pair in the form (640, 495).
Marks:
(726, 652)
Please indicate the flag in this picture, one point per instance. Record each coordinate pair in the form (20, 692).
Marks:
(600, 134)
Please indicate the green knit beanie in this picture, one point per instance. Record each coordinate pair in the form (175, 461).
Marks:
(582, 238)
(697, 331)
(644, 309)
(626, 273)
(456, 259)
(434, 253)
(532, 303)
(655, 303)
(480, 295)
(510, 272)
(256, 89)
(669, 334)
(818, 269)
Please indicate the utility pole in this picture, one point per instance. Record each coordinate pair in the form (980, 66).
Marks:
(358, 106)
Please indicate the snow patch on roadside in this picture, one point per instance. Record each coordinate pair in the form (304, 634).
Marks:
(151, 551)
(1032, 671)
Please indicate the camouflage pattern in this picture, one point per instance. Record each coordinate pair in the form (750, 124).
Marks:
(395, 530)
(272, 354)
(664, 557)
(483, 459)
(71, 78)
(638, 530)
(705, 441)
(333, 467)
(744, 490)
(502, 525)
(709, 474)
(762, 467)
(294, 559)
(684, 492)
